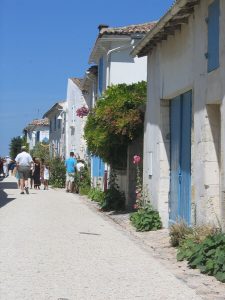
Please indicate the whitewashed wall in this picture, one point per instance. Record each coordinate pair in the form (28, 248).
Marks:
(176, 66)
(123, 68)
(75, 124)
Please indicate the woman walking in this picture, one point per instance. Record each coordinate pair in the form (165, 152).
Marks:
(37, 174)
(46, 176)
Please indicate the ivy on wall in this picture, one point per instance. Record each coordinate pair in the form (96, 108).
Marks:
(115, 121)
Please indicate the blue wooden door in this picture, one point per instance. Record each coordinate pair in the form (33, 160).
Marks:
(180, 159)
(97, 167)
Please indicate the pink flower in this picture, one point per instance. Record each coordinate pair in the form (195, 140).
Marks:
(136, 159)
(135, 206)
(82, 111)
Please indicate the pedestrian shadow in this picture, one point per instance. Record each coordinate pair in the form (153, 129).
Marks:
(3, 195)
(4, 198)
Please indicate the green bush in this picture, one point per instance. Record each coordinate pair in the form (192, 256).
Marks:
(113, 200)
(208, 255)
(84, 190)
(57, 173)
(82, 181)
(115, 121)
(146, 219)
(96, 195)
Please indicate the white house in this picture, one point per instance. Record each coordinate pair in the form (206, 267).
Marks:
(75, 124)
(57, 129)
(111, 53)
(37, 131)
(184, 136)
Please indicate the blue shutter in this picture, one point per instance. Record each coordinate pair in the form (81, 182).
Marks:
(180, 159)
(100, 76)
(98, 167)
(213, 35)
(101, 168)
(185, 161)
(175, 131)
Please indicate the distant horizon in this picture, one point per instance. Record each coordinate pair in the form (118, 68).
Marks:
(45, 43)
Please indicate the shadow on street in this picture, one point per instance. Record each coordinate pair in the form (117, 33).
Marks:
(3, 195)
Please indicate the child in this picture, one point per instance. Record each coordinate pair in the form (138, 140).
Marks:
(46, 176)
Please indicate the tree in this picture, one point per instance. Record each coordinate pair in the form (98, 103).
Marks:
(15, 146)
(41, 150)
(115, 121)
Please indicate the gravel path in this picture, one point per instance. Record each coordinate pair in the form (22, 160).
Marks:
(52, 246)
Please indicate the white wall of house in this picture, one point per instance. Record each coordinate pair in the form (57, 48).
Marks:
(125, 69)
(175, 66)
(32, 135)
(75, 124)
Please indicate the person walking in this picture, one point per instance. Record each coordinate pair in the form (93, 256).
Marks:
(23, 161)
(70, 164)
(37, 174)
(46, 176)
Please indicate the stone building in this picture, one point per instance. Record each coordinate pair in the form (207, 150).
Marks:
(57, 129)
(184, 136)
(37, 132)
(111, 54)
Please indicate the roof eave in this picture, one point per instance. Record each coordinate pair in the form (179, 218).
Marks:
(172, 12)
(53, 108)
(94, 56)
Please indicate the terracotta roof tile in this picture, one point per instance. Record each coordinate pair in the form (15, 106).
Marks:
(127, 30)
(39, 122)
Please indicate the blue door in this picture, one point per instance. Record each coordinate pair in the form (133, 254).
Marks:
(180, 158)
(98, 167)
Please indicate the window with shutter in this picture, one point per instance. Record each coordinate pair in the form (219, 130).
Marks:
(100, 76)
(213, 35)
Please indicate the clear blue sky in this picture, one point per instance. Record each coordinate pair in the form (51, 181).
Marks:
(44, 42)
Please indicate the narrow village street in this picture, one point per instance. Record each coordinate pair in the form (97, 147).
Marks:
(54, 247)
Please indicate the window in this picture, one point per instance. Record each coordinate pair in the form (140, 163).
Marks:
(100, 76)
(59, 124)
(38, 136)
(55, 120)
(213, 35)
(73, 115)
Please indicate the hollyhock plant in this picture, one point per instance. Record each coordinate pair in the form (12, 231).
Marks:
(136, 159)
(82, 111)
(139, 190)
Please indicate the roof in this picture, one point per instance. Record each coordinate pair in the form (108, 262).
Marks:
(127, 30)
(57, 106)
(38, 122)
(177, 15)
(107, 34)
(78, 82)
(89, 77)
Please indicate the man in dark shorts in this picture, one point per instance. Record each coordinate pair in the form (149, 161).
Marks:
(23, 162)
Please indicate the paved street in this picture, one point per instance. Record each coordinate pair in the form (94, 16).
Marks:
(53, 246)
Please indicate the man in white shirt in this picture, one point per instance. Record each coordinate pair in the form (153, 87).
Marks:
(23, 162)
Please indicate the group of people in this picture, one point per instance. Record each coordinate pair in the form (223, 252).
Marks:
(31, 168)
(72, 165)
(6, 165)
(33, 172)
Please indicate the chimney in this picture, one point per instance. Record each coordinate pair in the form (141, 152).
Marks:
(101, 26)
